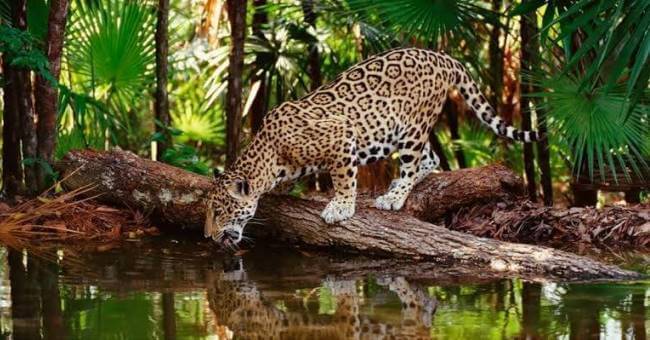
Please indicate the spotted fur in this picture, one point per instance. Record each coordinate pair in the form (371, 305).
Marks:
(389, 102)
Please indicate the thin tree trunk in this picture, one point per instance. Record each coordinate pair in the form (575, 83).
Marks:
(23, 81)
(452, 121)
(316, 80)
(496, 59)
(543, 156)
(161, 102)
(436, 146)
(46, 98)
(237, 17)
(543, 151)
(260, 103)
(313, 59)
(12, 172)
(529, 57)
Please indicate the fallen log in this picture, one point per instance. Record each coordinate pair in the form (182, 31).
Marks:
(178, 198)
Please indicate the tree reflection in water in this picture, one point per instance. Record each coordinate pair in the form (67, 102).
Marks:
(178, 291)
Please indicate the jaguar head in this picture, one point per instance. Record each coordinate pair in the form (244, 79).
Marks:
(230, 207)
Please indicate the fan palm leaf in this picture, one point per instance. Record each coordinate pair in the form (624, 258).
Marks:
(593, 126)
(110, 47)
(426, 20)
(615, 42)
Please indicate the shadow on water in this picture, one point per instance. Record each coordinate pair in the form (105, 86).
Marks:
(166, 289)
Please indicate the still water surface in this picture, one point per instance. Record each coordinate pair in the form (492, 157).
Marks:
(166, 289)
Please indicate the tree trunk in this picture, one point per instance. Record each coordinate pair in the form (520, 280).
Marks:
(27, 130)
(313, 59)
(237, 17)
(543, 151)
(12, 171)
(528, 30)
(178, 198)
(452, 121)
(436, 146)
(161, 101)
(260, 102)
(46, 98)
(316, 80)
(544, 157)
(23, 86)
(496, 59)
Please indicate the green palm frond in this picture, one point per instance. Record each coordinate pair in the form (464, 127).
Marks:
(110, 47)
(198, 120)
(594, 127)
(427, 20)
(615, 41)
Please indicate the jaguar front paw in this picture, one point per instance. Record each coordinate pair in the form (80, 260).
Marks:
(337, 211)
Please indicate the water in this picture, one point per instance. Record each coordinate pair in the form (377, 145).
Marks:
(165, 289)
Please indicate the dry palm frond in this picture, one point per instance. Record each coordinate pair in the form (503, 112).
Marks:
(68, 216)
(532, 223)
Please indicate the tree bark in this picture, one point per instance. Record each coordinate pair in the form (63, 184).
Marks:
(46, 98)
(313, 59)
(178, 198)
(496, 59)
(12, 171)
(161, 101)
(528, 30)
(543, 156)
(237, 17)
(543, 151)
(24, 102)
(260, 102)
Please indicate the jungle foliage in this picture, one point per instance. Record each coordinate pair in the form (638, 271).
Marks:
(591, 72)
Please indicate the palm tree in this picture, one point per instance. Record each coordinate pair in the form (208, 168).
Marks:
(596, 82)
(237, 17)
(161, 100)
(110, 57)
(260, 103)
(46, 94)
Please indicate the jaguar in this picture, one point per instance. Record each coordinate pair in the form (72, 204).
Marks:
(388, 103)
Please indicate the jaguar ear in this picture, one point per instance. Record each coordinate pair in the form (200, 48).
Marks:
(239, 188)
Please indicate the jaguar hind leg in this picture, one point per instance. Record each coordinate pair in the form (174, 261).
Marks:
(410, 161)
(429, 163)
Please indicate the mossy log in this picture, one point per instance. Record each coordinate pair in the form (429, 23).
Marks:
(177, 198)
